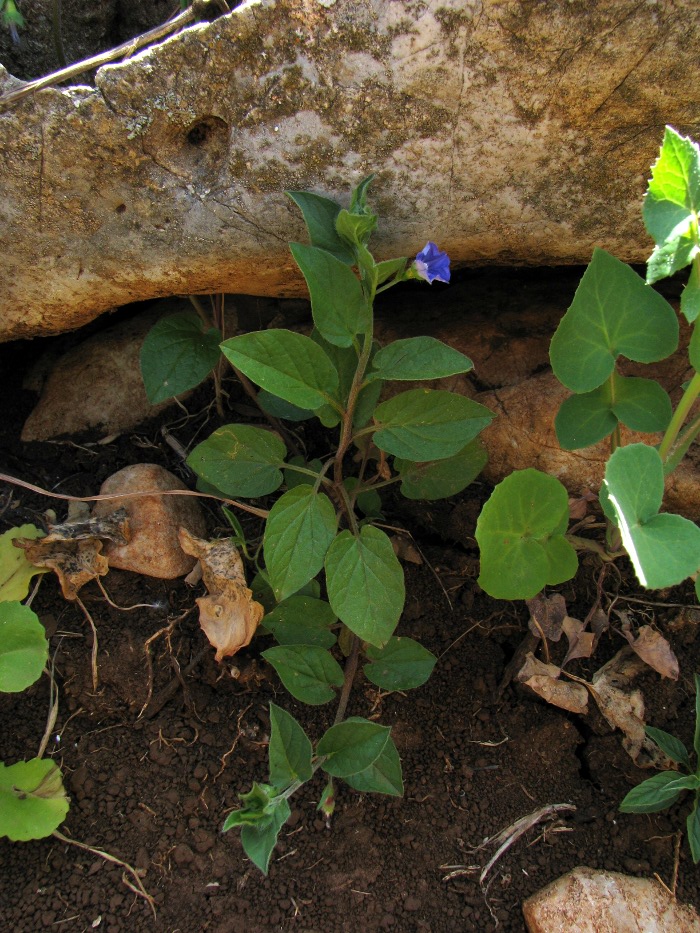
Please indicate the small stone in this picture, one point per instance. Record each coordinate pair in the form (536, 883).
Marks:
(182, 854)
(154, 549)
(591, 901)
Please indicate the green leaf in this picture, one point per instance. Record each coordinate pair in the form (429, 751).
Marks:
(438, 479)
(382, 777)
(24, 649)
(669, 745)
(428, 424)
(402, 664)
(178, 354)
(299, 530)
(278, 408)
(613, 313)
(338, 304)
(262, 591)
(690, 296)
(319, 216)
(358, 198)
(286, 364)
(664, 548)
(260, 839)
(641, 404)
(389, 268)
(240, 460)
(290, 749)
(258, 805)
(692, 826)
(352, 746)
(302, 620)
(15, 569)
(672, 204)
(355, 229)
(418, 358)
(308, 672)
(520, 533)
(33, 801)
(654, 794)
(295, 478)
(694, 349)
(365, 584)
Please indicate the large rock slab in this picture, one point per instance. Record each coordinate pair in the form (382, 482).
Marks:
(511, 132)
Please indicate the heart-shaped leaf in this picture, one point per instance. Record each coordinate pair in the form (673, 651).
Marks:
(302, 620)
(402, 664)
(383, 776)
(24, 649)
(33, 800)
(438, 479)
(177, 354)
(240, 460)
(614, 313)
(352, 746)
(664, 548)
(520, 533)
(418, 358)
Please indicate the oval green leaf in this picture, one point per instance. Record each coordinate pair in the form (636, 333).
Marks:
(438, 479)
(402, 664)
(289, 751)
(382, 777)
(240, 460)
(338, 304)
(614, 313)
(33, 801)
(299, 530)
(428, 424)
(418, 358)
(654, 794)
(308, 672)
(286, 364)
(302, 620)
(24, 649)
(177, 354)
(319, 215)
(365, 584)
(352, 746)
(520, 533)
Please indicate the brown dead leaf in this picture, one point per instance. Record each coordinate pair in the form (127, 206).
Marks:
(546, 615)
(581, 642)
(405, 549)
(75, 562)
(229, 615)
(624, 709)
(543, 679)
(73, 549)
(653, 649)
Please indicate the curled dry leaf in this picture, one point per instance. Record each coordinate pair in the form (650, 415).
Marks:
(543, 679)
(405, 549)
(546, 615)
(581, 642)
(229, 615)
(74, 550)
(624, 709)
(653, 649)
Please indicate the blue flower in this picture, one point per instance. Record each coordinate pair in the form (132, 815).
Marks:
(431, 264)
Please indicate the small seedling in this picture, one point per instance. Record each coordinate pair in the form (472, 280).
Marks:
(664, 789)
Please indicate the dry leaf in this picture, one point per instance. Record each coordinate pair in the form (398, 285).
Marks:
(73, 549)
(229, 615)
(75, 562)
(543, 679)
(405, 549)
(581, 642)
(624, 710)
(546, 615)
(653, 649)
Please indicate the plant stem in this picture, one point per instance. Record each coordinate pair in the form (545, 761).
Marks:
(350, 671)
(679, 416)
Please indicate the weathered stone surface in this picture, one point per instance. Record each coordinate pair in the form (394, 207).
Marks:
(591, 901)
(154, 548)
(511, 132)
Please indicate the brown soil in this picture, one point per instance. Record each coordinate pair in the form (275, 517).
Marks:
(155, 790)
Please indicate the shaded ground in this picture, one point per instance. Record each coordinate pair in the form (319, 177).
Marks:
(155, 791)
